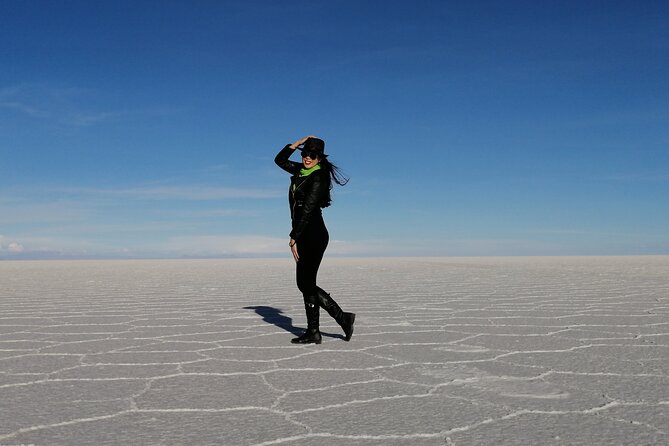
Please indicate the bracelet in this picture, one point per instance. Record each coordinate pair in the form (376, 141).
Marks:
(291, 244)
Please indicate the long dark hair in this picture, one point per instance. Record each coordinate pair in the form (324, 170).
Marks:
(317, 145)
(335, 175)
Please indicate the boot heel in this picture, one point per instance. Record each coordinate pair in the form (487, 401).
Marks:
(348, 327)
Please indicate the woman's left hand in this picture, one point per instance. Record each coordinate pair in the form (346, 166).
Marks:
(293, 249)
(299, 142)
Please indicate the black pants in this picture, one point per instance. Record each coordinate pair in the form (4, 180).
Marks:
(310, 248)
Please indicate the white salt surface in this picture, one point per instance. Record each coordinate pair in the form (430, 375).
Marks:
(446, 351)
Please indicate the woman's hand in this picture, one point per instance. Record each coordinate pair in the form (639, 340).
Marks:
(299, 142)
(293, 249)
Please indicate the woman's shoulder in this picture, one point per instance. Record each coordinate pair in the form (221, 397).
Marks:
(321, 173)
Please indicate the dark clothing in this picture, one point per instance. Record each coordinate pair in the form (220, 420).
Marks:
(311, 248)
(306, 196)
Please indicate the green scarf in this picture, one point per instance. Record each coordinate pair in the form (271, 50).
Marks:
(306, 172)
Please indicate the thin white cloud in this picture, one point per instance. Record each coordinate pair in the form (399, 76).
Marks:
(65, 105)
(53, 199)
(28, 212)
(11, 246)
(192, 193)
(24, 108)
(228, 245)
(132, 247)
(15, 247)
(39, 100)
(51, 247)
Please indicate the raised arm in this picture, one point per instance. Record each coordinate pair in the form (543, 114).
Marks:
(281, 158)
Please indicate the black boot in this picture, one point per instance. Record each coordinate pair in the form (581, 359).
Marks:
(345, 320)
(312, 335)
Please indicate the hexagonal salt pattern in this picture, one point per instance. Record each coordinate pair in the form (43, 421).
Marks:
(446, 351)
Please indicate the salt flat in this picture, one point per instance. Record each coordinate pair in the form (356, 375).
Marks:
(446, 351)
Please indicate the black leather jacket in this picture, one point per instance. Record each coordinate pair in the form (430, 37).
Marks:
(306, 196)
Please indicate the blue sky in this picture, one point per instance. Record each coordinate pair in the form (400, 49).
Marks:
(149, 128)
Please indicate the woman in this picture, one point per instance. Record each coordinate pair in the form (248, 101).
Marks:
(309, 192)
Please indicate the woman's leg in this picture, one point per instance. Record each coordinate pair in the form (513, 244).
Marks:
(307, 278)
(344, 319)
(311, 248)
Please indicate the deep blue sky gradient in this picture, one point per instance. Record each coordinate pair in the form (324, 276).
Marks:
(148, 128)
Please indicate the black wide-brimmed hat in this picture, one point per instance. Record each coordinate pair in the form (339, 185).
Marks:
(315, 145)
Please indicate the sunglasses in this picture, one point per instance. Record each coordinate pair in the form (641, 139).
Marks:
(309, 154)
